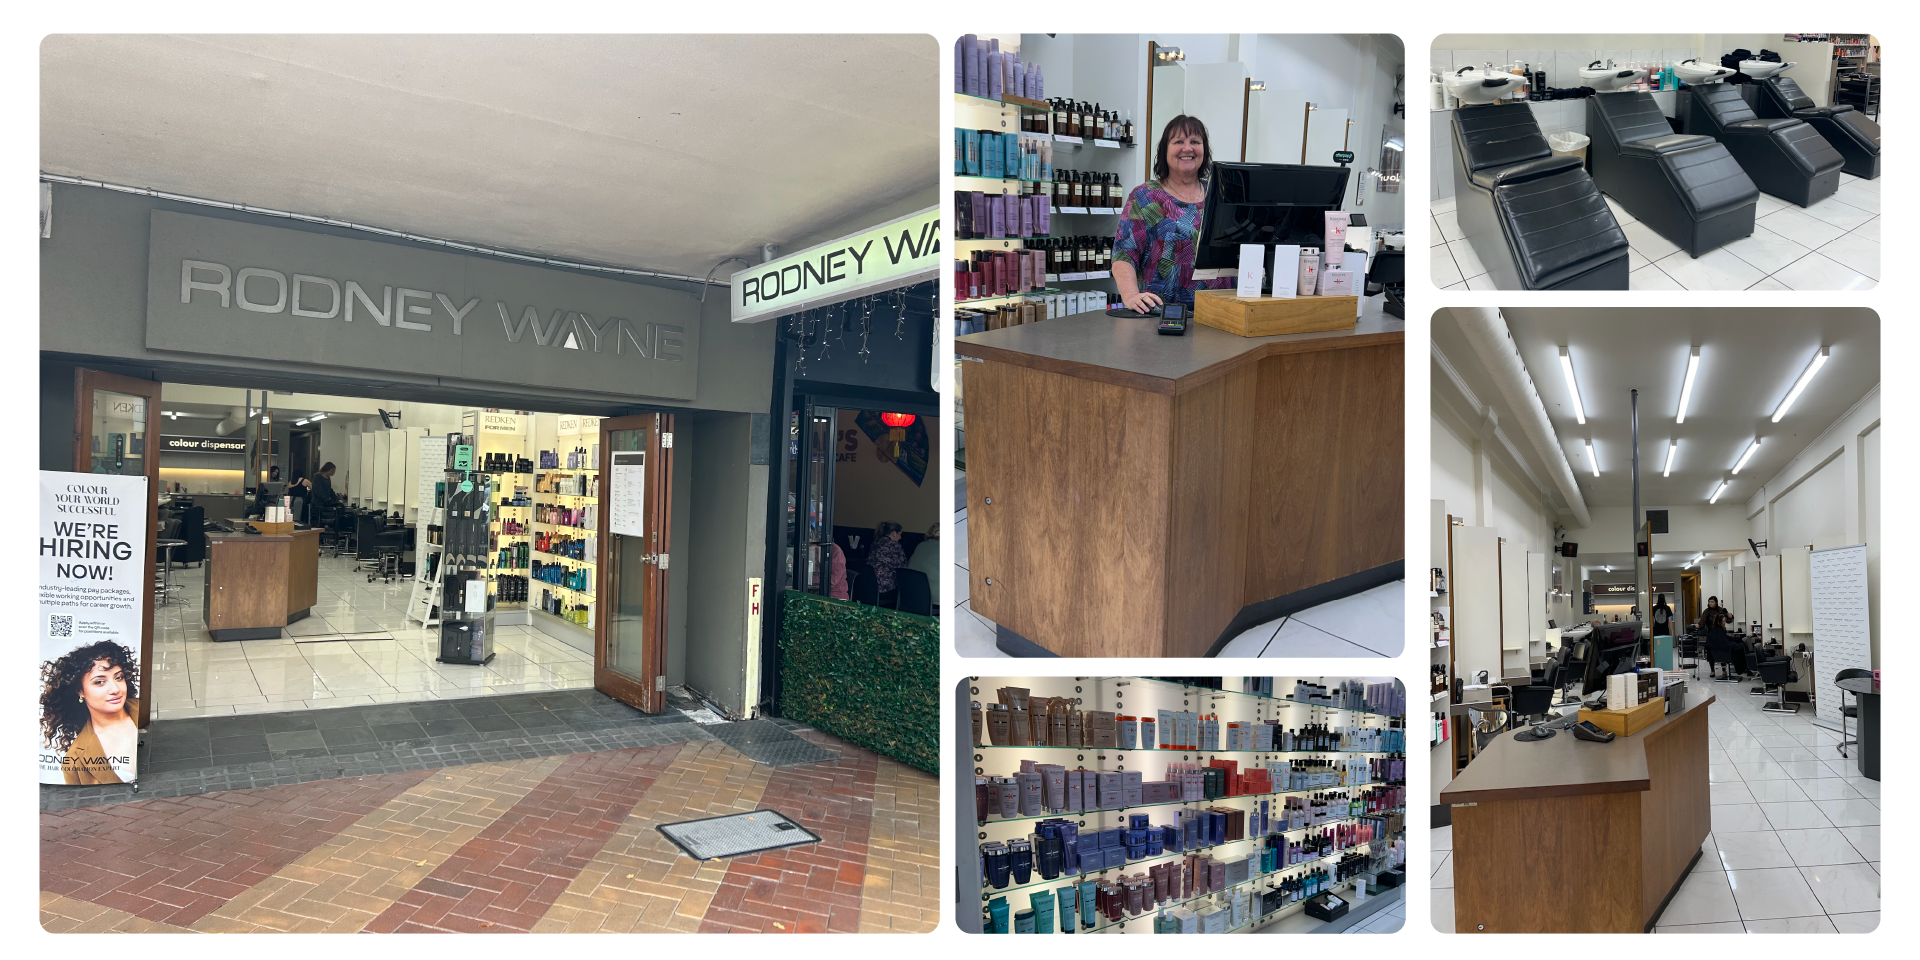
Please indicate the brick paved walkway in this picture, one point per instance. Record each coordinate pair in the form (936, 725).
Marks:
(563, 843)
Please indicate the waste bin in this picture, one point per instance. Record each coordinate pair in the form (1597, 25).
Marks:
(1569, 144)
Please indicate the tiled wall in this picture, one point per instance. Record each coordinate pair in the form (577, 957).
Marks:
(1563, 70)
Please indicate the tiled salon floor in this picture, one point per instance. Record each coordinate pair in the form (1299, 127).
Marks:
(1832, 245)
(1795, 843)
(1369, 624)
(319, 665)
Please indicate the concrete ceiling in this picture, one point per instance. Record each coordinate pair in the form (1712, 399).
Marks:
(663, 153)
(1749, 359)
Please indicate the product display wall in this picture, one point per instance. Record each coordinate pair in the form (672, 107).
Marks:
(1227, 831)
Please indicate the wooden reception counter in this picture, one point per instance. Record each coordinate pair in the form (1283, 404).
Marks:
(1137, 495)
(259, 583)
(1571, 836)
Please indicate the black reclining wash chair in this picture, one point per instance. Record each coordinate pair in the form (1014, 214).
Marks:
(1535, 220)
(1851, 132)
(1688, 189)
(1785, 157)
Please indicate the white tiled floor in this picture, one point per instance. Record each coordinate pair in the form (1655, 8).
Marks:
(193, 676)
(1369, 624)
(1795, 843)
(1832, 245)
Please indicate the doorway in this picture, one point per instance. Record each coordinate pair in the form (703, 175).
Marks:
(635, 557)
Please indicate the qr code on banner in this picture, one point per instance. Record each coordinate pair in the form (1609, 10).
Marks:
(59, 626)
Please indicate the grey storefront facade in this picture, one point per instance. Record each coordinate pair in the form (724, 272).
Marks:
(294, 306)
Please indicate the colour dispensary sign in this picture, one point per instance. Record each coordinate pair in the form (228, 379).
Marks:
(891, 255)
(94, 554)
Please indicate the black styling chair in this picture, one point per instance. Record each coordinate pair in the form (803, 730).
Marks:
(915, 595)
(1777, 673)
(1688, 189)
(1785, 156)
(1849, 709)
(1535, 704)
(1535, 220)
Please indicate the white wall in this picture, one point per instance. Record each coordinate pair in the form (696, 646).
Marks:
(1692, 529)
(1828, 496)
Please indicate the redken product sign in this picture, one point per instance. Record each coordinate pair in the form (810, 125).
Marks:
(94, 557)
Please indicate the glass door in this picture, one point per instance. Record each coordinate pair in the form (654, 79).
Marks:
(629, 629)
(116, 430)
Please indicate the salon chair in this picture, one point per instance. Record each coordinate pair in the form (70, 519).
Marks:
(1784, 156)
(862, 586)
(1686, 188)
(1850, 132)
(1777, 674)
(1535, 220)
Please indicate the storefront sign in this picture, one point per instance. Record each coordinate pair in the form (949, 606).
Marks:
(229, 288)
(94, 561)
(1613, 589)
(202, 445)
(627, 506)
(891, 255)
(572, 426)
(502, 423)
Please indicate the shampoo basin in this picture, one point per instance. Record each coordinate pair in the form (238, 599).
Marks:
(1608, 78)
(1762, 69)
(1693, 73)
(1472, 85)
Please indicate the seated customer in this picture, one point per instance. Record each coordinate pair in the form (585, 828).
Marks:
(885, 557)
(926, 559)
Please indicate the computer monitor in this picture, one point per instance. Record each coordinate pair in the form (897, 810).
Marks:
(1266, 203)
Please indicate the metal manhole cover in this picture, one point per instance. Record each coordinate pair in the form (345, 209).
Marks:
(736, 834)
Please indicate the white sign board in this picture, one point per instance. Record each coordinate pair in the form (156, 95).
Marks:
(95, 560)
(1840, 627)
(508, 423)
(574, 426)
(627, 503)
(893, 254)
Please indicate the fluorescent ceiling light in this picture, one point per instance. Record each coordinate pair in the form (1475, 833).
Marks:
(1755, 445)
(1686, 387)
(1806, 377)
(299, 423)
(1573, 388)
(1672, 445)
(1593, 460)
(1722, 488)
(318, 416)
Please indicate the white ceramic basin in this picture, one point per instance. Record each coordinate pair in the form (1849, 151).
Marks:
(1762, 69)
(1603, 79)
(1694, 73)
(1474, 85)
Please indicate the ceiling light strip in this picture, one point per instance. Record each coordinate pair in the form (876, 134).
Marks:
(1806, 377)
(1672, 445)
(1573, 388)
(1593, 460)
(1722, 488)
(366, 228)
(1755, 445)
(1686, 386)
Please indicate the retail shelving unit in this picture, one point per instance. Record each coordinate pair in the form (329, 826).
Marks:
(1440, 648)
(1255, 902)
(569, 490)
(510, 521)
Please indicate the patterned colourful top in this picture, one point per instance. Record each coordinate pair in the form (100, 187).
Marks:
(1157, 234)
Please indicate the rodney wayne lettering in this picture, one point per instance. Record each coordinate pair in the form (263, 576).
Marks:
(831, 265)
(269, 291)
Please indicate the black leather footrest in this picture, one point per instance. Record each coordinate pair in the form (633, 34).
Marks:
(1561, 232)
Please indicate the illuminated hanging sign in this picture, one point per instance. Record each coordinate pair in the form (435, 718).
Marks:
(894, 254)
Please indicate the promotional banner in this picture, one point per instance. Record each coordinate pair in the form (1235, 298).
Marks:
(94, 558)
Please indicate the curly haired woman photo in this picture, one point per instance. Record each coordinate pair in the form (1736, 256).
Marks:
(87, 709)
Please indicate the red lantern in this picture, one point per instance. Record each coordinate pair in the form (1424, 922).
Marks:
(897, 424)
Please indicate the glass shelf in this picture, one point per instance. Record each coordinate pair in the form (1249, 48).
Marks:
(1023, 108)
(1217, 694)
(988, 892)
(1177, 803)
(1010, 296)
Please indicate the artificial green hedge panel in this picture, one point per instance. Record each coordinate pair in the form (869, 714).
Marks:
(865, 674)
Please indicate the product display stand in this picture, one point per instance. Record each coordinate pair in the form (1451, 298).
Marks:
(564, 543)
(424, 604)
(1274, 806)
(466, 608)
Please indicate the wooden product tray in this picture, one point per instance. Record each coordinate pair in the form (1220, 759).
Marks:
(1626, 723)
(265, 527)
(1273, 316)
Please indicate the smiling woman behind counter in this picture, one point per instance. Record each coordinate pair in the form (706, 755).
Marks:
(1154, 245)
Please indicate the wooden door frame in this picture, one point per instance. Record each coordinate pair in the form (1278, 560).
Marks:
(645, 694)
(85, 382)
